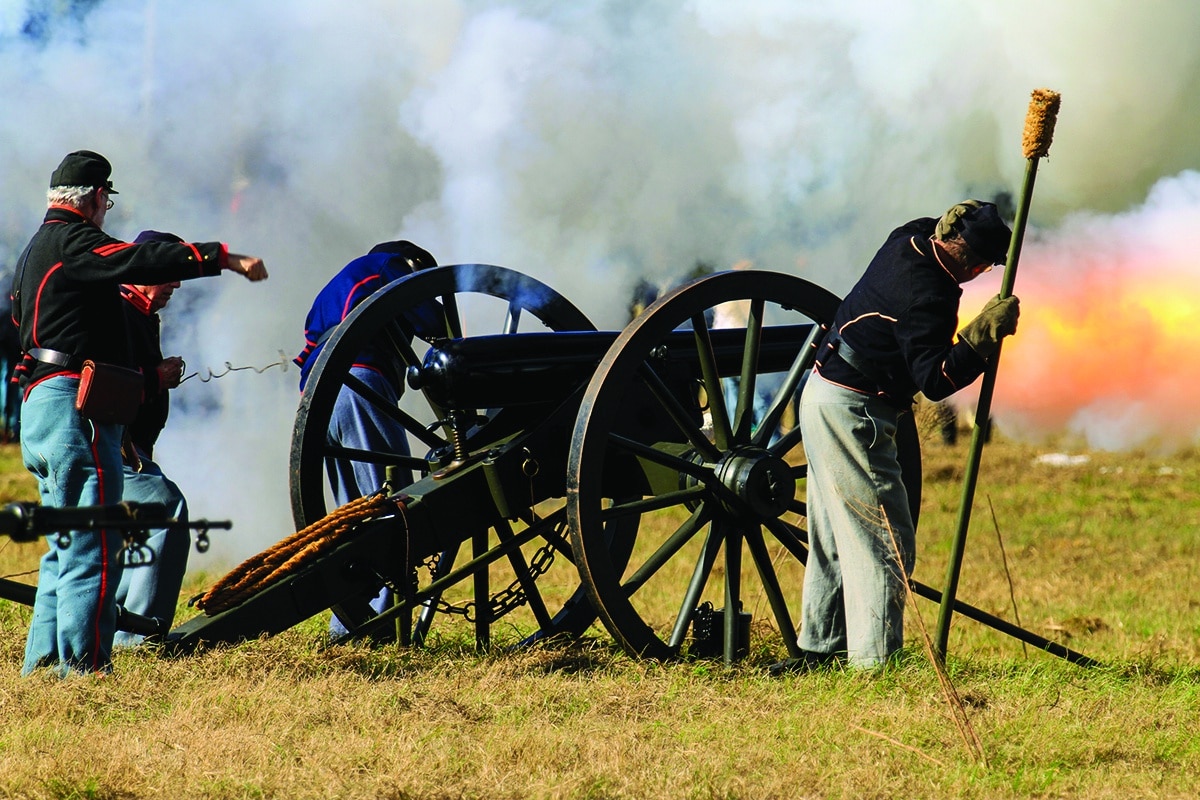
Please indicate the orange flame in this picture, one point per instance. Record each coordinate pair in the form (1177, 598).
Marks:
(1108, 345)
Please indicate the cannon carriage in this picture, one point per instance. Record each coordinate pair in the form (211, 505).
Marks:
(557, 473)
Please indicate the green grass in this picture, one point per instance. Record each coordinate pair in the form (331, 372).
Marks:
(1102, 557)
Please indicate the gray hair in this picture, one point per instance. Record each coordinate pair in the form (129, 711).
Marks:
(73, 196)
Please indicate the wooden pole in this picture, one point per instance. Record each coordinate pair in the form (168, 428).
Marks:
(1039, 131)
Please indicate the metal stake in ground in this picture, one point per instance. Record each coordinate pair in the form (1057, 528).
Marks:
(1039, 130)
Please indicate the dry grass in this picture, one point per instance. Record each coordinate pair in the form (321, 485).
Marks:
(1102, 555)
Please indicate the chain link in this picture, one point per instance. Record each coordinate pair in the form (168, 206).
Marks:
(507, 599)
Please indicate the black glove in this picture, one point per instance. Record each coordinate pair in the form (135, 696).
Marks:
(997, 320)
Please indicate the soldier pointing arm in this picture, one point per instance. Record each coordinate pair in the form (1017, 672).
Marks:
(68, 304)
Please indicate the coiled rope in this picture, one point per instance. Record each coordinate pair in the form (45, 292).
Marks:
(290, 554)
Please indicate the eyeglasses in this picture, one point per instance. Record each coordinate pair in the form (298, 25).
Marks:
(108, 201)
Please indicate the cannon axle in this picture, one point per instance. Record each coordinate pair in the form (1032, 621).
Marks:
(756, 483)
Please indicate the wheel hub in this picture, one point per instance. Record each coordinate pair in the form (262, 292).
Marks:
(756, 482)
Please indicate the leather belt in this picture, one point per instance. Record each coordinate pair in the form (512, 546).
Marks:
(860, 365)
(56, 357)
(869, 370)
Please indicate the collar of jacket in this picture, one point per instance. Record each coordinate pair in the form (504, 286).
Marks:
(136, 297)
(933, 256)
(61, 213)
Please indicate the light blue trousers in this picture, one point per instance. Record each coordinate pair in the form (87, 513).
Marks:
(76, 463)
(150, 584)
(358, 424)
(859, 520)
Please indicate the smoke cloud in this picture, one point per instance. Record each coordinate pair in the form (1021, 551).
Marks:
(596, 144)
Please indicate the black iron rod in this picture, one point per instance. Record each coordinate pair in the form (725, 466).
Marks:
(733, 592)
(721, 416)
(1004, 626)
(406, 420)
(679, 415)
(654, 503)
(682, 535)
(746, 383)
(483, 607)
(375, 457)
(795, 376)
(505, 533)
(662, 457)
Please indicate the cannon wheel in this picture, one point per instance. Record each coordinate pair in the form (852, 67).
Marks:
(725, 485)
(458, 300)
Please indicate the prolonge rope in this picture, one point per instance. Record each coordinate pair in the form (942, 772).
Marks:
(288, 555)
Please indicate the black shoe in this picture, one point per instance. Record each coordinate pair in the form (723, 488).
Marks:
(806, 662)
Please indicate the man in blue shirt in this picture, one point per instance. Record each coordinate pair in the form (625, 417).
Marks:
(355, 422)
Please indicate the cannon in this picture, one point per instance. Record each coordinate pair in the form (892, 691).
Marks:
(559, 473)
(556, 473)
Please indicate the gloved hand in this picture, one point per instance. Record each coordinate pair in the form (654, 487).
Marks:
(997, 320)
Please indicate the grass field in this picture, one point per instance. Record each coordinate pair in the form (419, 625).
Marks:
(1101, 556)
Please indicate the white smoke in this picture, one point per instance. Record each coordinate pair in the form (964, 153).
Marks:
(589, 144)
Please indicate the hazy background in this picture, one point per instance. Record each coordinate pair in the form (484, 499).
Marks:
(596, 144)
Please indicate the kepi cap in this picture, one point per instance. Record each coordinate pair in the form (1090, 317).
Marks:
(986, 234)
(416, 257)
(83, 168)
(980, 226)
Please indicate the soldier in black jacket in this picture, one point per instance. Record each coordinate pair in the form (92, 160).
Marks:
(892, 337)
(67, 302)
(151, 588)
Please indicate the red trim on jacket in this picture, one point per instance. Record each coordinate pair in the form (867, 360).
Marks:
(37, 300)
(350, 296)
(136, 298)
(104, 251)
(62, 207)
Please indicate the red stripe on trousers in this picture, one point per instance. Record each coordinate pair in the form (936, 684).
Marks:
(103, 550)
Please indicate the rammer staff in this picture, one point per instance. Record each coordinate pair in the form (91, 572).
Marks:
(1039, 130)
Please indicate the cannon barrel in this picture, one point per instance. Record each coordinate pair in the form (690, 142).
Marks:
(536, 368)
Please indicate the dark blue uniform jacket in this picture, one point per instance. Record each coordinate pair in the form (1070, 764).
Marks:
(901, 318)
(356, 281)
(144, 330)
